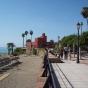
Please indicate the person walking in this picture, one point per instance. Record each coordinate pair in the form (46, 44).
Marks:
(61, 53)
(66, 52)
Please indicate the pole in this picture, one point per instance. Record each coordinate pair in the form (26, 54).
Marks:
(79, 53)
(81, 30)
(26, 37)
(78, 48)
(31, 45)
(31, 41)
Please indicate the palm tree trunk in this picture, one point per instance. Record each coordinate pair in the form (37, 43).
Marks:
(8, 51)
(31, 39)
(12, 50)
(81, 30)
(87, 22)
(31, 32)
(26, 37)
(23, 42)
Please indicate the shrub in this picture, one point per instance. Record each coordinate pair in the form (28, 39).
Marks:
(18, 51)
(34, 51)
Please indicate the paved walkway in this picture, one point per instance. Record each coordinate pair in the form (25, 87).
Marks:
(71, 75)
(24, 75)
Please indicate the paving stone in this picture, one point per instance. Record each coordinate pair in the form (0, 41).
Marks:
(77, 74)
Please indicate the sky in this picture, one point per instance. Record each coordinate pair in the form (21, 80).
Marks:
(53, 17)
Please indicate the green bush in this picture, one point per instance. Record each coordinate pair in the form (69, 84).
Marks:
(18, 51)
(34, 51)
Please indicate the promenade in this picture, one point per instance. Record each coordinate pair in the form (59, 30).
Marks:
(23, 76)
(70, 74)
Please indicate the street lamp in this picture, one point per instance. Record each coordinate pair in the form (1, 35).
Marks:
(78, 27)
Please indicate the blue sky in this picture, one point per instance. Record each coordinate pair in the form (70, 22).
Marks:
(54, 17)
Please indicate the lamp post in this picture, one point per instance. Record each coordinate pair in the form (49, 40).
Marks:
(78, 27)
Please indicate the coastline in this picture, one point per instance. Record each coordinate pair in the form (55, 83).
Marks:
(3, 51)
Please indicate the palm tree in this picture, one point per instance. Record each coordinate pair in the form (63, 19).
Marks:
(26, 33)
(51, 42)
(10, 47)
(84, 13)
(23, 35)
(31, 33)
(81, 24)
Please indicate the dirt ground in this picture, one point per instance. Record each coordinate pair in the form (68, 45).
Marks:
(24, 75)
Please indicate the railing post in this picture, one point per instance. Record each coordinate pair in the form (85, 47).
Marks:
(48, 72)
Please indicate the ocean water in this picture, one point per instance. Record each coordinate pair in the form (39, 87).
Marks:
(3, 50)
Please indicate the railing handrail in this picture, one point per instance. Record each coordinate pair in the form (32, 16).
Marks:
(50, 71)
(51, 74)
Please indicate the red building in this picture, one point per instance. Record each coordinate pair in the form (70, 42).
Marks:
(40, 42)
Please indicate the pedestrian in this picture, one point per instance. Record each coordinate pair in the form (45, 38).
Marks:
(61, 53)
(66, 52)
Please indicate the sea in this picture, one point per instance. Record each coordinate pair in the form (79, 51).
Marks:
(3, 51)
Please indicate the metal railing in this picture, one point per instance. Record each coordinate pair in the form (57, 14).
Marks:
(51, 81)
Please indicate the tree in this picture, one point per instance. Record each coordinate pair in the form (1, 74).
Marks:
(72, 39)
(10, 47)
(26, 33)
(84, 13)
(81, 24)
(52, 42)
(31, 33)
(56, 47)
(23, 35)
(28, 40)
(69, 40)
(84, 39)
(18, 51)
